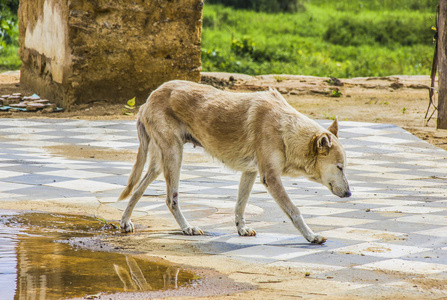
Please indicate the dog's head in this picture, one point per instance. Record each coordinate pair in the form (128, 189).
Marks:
(330, 162)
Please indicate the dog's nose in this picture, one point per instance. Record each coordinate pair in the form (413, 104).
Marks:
(347, 194)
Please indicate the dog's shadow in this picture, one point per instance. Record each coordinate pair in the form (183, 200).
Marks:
(300, 245)
(205, 234)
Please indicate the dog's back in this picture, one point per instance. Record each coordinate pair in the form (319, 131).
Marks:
(228, 125)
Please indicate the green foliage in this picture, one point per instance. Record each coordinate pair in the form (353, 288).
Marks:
(8, 21)
(386, 30)
(215, 60)
(9, 58)
(246, 46)
(377, 5)
(272, 6)
(9, 5)
(320, 40)
(342, 38)
(9, 33)
(336, 93)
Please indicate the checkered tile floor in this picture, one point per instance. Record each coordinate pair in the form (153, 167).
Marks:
(396, 220)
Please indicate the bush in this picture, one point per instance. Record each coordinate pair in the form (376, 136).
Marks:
(9, 5)
(9, 33)
(8, 22)
(377, 5)
(246, 46)
(270, 6)
(386, 31)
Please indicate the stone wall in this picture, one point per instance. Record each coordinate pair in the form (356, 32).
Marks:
(85, 50)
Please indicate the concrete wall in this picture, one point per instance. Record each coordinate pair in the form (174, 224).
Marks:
(84, 50)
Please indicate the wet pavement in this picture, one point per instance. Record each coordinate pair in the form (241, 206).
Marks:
(395, 221)
(42, 258)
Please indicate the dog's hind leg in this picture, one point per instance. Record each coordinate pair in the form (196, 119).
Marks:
(245, 186)
(138, 167)
(172, 160)
(273, 183)
(152, 173)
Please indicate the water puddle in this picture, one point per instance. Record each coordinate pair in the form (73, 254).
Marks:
(37, 261)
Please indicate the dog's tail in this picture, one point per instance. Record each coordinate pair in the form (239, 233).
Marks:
(137, 169)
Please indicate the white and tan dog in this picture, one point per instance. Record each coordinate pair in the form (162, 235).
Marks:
(249, 132)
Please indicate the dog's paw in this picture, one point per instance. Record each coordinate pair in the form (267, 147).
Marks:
(127, 227)
(318, 240)
(192, 231)
(246, 231)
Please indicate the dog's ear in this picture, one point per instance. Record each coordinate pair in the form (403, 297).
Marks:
(334, 128)
(323, 143)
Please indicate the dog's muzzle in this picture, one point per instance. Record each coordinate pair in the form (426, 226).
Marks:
(347, 194)
(342, 194)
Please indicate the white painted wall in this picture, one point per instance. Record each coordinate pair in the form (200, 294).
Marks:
(48, 37)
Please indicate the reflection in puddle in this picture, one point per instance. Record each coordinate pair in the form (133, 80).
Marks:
(36, 262)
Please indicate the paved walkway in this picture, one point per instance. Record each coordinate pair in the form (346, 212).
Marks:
(396, 220)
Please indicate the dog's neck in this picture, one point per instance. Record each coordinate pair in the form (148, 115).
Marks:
(299, 158)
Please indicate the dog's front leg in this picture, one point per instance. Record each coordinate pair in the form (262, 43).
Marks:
(273, 183)
(245, 186)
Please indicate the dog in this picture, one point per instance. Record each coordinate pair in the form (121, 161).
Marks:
(256, 132)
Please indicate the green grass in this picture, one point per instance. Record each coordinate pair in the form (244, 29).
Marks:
(326, 39)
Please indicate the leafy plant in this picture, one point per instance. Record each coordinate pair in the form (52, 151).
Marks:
(336, 93)
(8, 21)
(128, 107)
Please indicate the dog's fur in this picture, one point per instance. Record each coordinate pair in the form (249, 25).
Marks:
(249, 132)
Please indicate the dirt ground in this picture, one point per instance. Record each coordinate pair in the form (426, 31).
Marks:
(399, 100)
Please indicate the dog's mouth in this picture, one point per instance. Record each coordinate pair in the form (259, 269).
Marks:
(331, 188)
(344, 194)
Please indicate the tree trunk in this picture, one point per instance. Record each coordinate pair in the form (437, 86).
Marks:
(442, 65)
